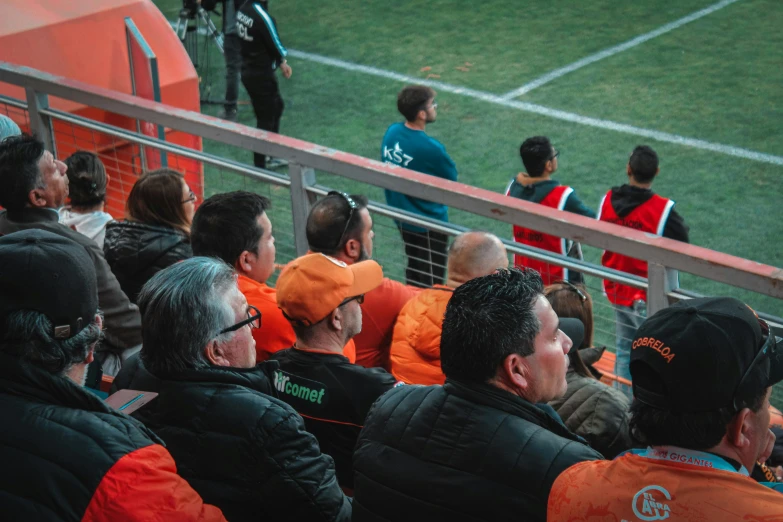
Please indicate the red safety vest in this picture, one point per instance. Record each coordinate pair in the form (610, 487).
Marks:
(555, 199)
(649, 217)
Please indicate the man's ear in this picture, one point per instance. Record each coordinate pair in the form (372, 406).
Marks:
(336, 319)
(516, 373)
(36, 198)
(740, 430)
(215, 354)
(353, 249)
(628, 170)
(245, 262)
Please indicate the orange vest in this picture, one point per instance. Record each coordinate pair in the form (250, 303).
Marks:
(549, 273)
(648, 217)
(635, 488)
(415, 349)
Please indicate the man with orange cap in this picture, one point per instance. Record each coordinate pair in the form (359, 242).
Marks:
(321, 297)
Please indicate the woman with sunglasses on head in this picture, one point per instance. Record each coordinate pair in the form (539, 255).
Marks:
(590, 408)
(156, 231)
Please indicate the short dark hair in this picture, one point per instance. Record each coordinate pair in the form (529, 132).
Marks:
(487, 319)
(183, 307)
(86, 179)
(535, 152)
(327, 220)
(225, 225)
(698, 431)
(28, 335)
(412, 99)
(643, 163)
(19, 172)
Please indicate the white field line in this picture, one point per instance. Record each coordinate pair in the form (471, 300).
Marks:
(611, 51)
(546, 111)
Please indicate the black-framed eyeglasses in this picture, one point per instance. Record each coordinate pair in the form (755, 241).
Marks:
(354, 207)
(573, 287)
(555, 155)
(358, 298)
(768, 349)
(253, 319)
(191, 197)
(434, 105)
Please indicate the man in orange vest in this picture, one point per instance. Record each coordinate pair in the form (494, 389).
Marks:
(636, 206)
(536, 185)
(703, 371)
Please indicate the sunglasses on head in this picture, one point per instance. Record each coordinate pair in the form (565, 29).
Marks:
(571, 286)
(353, 206)
(768, 350)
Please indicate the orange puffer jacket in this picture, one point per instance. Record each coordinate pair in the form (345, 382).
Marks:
(415, 349)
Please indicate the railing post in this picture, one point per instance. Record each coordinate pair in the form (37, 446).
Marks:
(661, 280)
(40, 125)
(301, 178)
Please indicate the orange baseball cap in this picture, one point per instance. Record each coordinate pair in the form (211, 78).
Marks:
(310, 287)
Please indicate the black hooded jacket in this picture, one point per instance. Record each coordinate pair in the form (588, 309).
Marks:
(626, 198)
(244, 450)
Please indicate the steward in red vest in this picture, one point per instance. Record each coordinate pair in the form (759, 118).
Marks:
(536, 185)
(635, 206)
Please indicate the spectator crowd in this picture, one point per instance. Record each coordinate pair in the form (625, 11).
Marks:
(468, 393)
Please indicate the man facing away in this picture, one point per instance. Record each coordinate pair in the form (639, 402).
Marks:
(322, 298)
(636, 206)
(33, 185)
(66, 454)
(415, 352)
(405, 144)
(340, 226)
(482, 446)
(702, 376)
(241, 448)
(537, 186)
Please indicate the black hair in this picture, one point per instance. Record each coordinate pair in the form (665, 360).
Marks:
(86, 178)
(412, 99)
(19, 171)
(535, 152)
(225, 225)
(697, 431)
(487, 319)
(643, 163)
(327, 220)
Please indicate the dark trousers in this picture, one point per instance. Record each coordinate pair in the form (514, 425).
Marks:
(267, 104)
(426, 257)
(232, 51)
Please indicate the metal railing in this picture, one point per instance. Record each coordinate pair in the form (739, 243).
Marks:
(664, 257)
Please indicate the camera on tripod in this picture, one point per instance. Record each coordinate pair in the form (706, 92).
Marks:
(190, 7)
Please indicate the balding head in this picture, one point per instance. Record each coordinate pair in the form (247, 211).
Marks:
(475, 254)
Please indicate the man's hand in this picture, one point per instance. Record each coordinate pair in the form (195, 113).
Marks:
(286, 70)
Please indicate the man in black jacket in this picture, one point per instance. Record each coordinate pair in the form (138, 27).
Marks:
(66, 455)
(483, 446)
(33, 185)
(237, 445)
(315, 377)
(262, 54)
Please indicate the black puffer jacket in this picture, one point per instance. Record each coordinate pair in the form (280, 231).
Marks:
(136, 252)
(595, 411)
(245, 451)
(460, 452)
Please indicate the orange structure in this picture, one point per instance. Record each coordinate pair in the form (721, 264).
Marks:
(86, 41)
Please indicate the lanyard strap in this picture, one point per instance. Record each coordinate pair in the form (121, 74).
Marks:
(690, 457)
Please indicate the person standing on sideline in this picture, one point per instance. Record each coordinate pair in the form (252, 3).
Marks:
(232, 52)
(537, 186)
(407, 145)
(636, 206)
(262, 54)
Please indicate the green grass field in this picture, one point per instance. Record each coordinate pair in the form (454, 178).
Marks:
(716, 79)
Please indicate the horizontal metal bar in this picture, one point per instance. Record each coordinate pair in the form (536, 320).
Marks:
(13, 102)
(720, 267)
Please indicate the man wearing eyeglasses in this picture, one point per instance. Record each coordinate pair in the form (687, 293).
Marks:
(537, 186)
(702, 375)
(405, 144)
(340, 226)
(321, 296)
(236, 444)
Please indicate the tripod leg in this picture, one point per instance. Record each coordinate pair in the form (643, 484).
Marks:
(213, 32)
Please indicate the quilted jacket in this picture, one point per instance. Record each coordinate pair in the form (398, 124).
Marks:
(137, 251)
(415, 350)
(244, 450)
